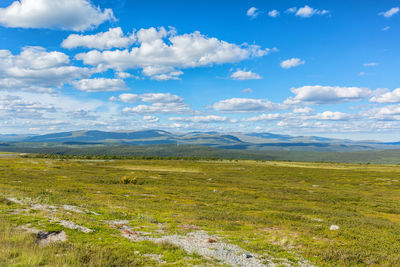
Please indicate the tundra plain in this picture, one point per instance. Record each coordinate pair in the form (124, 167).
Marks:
(182, 212)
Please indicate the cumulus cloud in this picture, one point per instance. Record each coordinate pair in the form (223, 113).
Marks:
(113, 38)
(302, 110)
(318, 94)
(291, 63)
(387, 113)
(123, 75)
(265, 117)
(161, 54)
(100, 85)
(389, 110)
(386, 28)
(173, 75)
(332, 115)
(127, 98)
(30, 106)
(245, 75)
(36, 69)
(75, 15)
(150, 118)
(252, 12)
(171, 108)
(389, 97)
(390, 13)
(149, 97)
(273, 13)
(161, 98)
(240, 105)
(306, 11)
(161, 103)
(202, 119)
(370, 64)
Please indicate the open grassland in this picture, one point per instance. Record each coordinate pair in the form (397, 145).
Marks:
(123, 212)
(200, 152)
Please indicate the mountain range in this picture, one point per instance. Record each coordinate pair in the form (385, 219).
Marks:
(237, 141)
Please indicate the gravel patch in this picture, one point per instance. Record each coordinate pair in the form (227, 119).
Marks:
(202, 243)
(73, 226)
(207, 246)
(43, 207)
(72, 208)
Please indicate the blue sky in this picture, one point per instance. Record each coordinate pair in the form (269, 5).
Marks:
(328, 68)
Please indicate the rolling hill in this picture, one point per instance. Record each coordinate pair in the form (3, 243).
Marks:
(237, 141)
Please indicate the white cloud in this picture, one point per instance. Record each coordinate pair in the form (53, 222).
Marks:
(49, 108)
(387, 113)
(332, 115)
(100, 85)
(318, 94)
(202, 119)
(389, 110)
(291, 10)
(172, 108)
(239, 105)
(390, 13)
(386, 28)
(150, 118)
(173, 75)
(291, 63)
(161, 54)
(149, 97)
(389, 97)
(123, 75)
(35, 69)
(252, 12)
(303, 110)
(127, 98)
(265, 117)
(161, 103)
(76, 15)
(307, 12)
(161, 98)
(245, 75)
(247, 90)
(114, 37)
(370, 64)
(273, 13)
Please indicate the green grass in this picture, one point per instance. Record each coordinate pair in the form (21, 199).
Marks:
(277, 209)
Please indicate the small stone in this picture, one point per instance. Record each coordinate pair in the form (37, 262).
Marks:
(334, 227)
(46, 238)
(248, 256)
(211, 240)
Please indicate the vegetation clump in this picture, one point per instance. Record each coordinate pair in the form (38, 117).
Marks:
(128, 180)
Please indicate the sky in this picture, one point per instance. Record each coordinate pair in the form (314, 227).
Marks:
(325, 68)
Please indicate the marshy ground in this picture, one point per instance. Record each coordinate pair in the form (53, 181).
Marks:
(204, 213)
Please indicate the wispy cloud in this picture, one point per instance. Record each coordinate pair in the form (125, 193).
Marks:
(390, 13)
